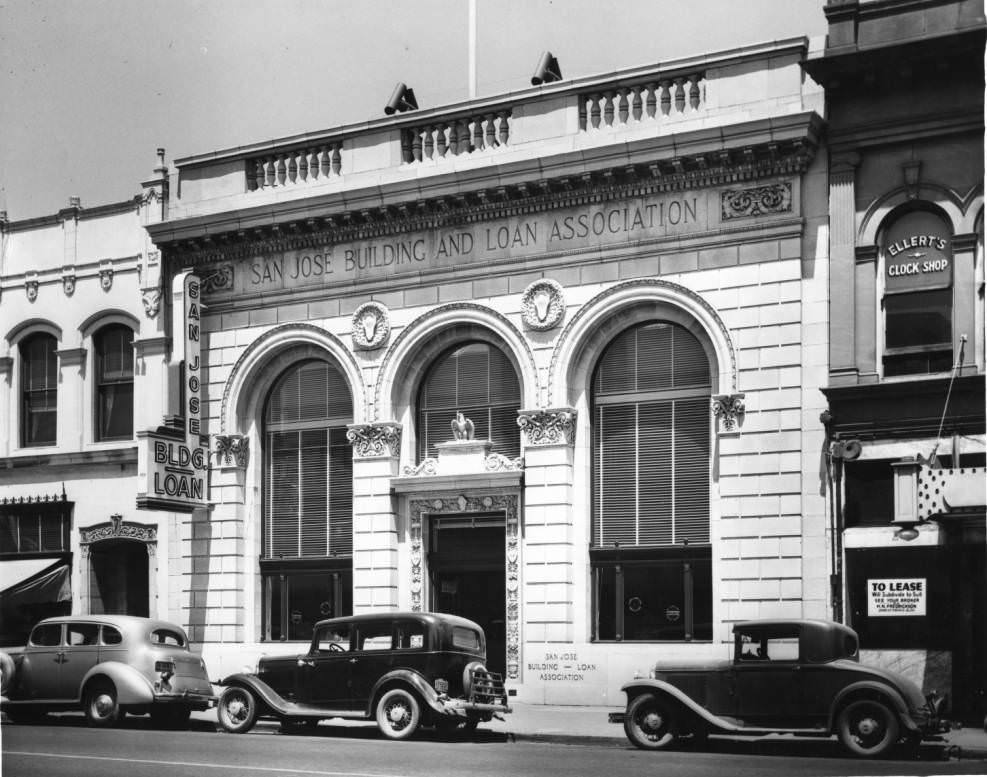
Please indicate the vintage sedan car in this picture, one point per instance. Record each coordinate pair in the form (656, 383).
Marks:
(402, 669)
(787, 676)
(107, 665)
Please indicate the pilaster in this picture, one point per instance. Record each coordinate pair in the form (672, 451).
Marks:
(548, 555)
(7, 432)
(842, 230)
(150, 381)
(966, 336)
(71, 407)
(376, 456)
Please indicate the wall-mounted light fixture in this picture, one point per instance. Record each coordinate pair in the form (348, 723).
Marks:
(402, 99)
(548, 70)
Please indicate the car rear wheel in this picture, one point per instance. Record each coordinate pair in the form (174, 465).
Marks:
(102, 707)
(648, 723)
(868, 727)
(237, 710)
(398, 714)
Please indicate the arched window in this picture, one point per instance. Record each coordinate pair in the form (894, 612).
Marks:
(39, 390)
(650, 519)
(308, 501)
(918, 295)
(479, 381)
(114, 347)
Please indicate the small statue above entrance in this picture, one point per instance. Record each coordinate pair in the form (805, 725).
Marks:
(462, 427)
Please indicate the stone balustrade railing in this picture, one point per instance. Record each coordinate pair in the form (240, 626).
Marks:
(295, 167)
(454, 137)
(662, 99)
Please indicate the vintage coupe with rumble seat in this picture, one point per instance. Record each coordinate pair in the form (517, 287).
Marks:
(403, 669)
(798, 677)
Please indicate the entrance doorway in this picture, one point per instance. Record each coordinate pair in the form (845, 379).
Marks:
(118, 578)
(467, 572)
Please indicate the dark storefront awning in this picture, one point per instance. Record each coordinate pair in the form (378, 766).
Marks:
(31, 589)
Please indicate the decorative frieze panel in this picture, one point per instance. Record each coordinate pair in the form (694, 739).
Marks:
(427, 467)
(756, 201)
(232, 450)
(549, 426)
(370, 326)
(371, 441)
(217, 278)
(117, 528)
(543, 305)
(729, 409)
(508, 505)
(497, 462)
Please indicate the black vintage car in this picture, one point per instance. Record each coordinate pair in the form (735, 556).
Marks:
(787, 676)
(404, 669)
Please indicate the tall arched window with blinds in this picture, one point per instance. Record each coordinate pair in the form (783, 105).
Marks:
(650, 548)
(479, 381)
(307, 544)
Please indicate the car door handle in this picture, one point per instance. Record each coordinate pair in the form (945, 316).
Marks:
(306, 662)
(354, 660)
(60, 657)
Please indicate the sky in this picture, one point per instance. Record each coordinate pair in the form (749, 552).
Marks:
(89, 89)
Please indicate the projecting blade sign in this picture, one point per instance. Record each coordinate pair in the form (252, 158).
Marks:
(173, 460)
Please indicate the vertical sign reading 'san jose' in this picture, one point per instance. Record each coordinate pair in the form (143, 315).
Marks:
(172, 463)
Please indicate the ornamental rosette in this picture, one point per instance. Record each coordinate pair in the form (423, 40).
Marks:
(542, 305)
(371, 441)
(552, 426)
(756, 201)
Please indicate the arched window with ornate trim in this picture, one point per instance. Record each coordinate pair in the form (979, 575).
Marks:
(39, 390)
(478, 380)
(650, 545)
(307, 545)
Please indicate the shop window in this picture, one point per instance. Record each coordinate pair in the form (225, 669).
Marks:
(869, 493)
(307, 543)
(39, 390)
(479, 381)
(114, 347)
(34, 529)
(650, 490)
(918, 295)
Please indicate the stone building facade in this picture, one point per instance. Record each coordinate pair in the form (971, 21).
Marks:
(905, 417)
(552, 360)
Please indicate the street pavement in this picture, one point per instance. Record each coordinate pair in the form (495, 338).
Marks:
(588, 725)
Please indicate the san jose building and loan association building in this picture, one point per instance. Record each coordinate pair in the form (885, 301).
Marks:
(552, 360)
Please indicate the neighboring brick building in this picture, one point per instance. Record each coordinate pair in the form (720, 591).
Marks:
(619, 281)
(905, 101)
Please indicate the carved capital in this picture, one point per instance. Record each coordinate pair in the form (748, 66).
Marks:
(729, 408)
(152, 301)
(370, 326)
(371, 441)
(549, 426)
(232, 450)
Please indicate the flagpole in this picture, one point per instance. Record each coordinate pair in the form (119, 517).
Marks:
(472, 49)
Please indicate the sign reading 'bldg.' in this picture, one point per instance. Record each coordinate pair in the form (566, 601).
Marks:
(172, 463)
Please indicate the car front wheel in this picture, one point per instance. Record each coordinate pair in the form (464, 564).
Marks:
(648, 723)
(102, 707)
(868, 727)
(237, 710)
(398, 714)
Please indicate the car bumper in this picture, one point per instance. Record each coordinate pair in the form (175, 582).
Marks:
(199, 701)
(462, 707)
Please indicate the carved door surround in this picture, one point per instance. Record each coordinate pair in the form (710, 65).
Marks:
(423, 505)
(118, 529)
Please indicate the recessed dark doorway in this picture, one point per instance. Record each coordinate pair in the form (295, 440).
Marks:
(467, 569)
(118, 583)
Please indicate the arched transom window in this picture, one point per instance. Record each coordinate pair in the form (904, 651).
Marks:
(478, 380)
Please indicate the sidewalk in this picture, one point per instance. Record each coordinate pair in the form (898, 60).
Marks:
(589, 725)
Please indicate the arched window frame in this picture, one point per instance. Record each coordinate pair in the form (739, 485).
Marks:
(300, 584)
(909, 360)
(630, 578)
